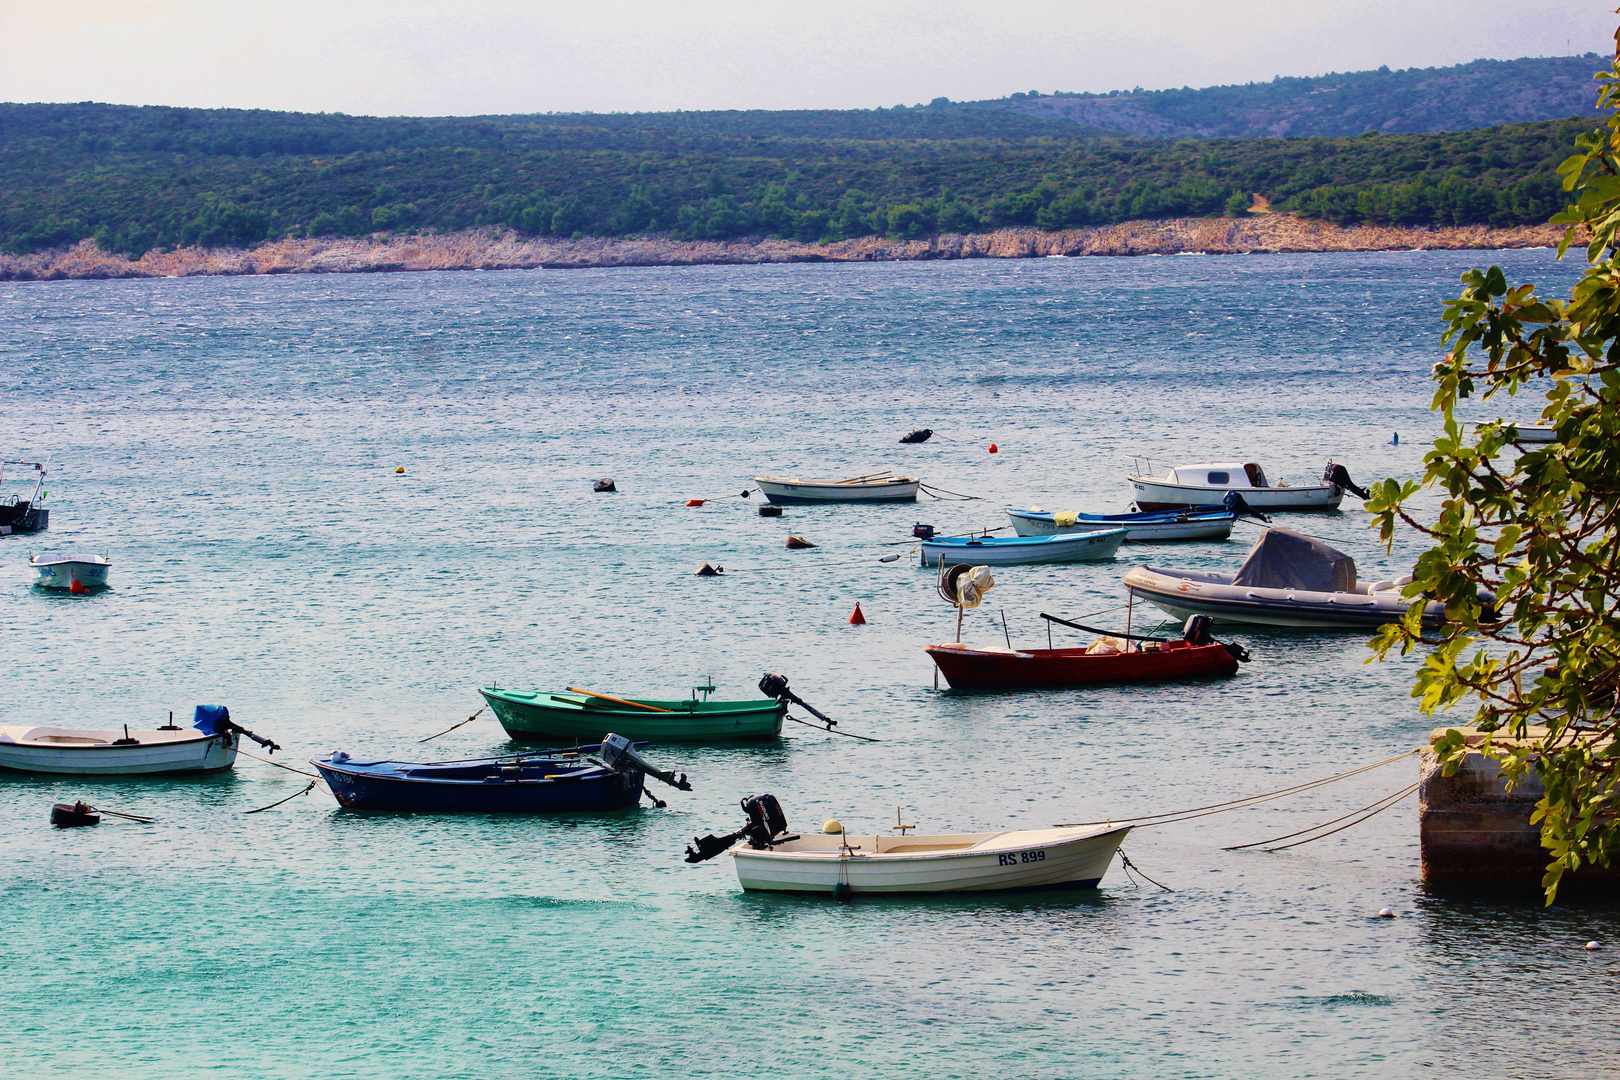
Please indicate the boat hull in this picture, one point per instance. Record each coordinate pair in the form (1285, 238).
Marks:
(551, 718)
(807, 492)
(61, 574)
(357, 790)
(1020, 550)
(1053, 669)
(1156, 494)
(170, 757)
(1188, 594)
(1000, 862)
(1169, 526)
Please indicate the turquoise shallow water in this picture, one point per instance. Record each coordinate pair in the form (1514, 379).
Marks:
(232, 443)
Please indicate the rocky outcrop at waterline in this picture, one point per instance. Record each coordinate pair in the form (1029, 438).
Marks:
(495, 249)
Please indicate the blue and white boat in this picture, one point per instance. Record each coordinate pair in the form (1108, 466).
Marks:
(1013, 550)
(608, 776)
(1193, 523)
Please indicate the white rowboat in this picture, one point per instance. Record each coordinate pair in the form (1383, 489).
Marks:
(1023, 550)
(88, 571)
(882, 488)
(1073, 858)
(116, 752)
(1206, 482)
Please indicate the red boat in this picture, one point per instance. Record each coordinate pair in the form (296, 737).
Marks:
(967, 668)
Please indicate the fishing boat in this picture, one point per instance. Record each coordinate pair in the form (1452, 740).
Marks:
(1017, 550)
(1288, 579)
(992, 667)
(1192, 523)
(1538, 432)
(209, 745)
(874, 487)
(583, 716)
(19, 514)
(1193, 485)
(607, 776)
(72, 572)
(837, 863)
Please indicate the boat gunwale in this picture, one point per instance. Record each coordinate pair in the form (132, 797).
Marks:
(983, 847)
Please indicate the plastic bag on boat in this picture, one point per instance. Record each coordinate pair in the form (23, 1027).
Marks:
(1284, 559)
(1105, 646)
(971, 587)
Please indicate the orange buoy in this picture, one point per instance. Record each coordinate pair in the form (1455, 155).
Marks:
(857, 619)
(696, 502)
(994, 449)
(76, 587)
(795, 542)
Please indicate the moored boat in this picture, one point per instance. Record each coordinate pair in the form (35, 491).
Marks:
(1202, 483)
(877, 487)
(208, 746)
(608, 776)
(73, 572)
(19, 514)
(837, 863)
(1193, 523)
(1016, 550)
(1288, 579)
(967, 667)
(542, 716)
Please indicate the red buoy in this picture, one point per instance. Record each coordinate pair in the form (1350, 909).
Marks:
(76, 587)
(857, 619)
(696, 502)
(993, 449)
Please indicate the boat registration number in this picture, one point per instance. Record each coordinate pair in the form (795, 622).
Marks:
(1013, 858)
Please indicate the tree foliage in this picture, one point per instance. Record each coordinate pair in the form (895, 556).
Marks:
(1526, 551)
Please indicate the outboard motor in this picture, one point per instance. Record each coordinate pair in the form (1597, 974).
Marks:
(1196, 632)
(922, 532)
(766, 822)
(618, 754)
(1338, 474)
(216, 720)
(776, 686)
(1236, 503)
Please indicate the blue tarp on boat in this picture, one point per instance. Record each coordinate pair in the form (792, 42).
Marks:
(209, 718)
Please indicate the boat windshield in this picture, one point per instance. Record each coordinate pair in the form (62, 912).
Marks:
(21, 482)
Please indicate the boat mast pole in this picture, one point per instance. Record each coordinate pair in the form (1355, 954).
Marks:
(1129, 605)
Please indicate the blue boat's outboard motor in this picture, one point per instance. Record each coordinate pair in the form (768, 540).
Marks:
(1236, 503)
(1338, 474)
(618, 754)
(766, 823)
(922, 532)
(1196, 632)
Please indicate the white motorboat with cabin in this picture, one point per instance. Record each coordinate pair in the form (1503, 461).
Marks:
(837, 863)
(874, 487)
(1289, 579)
(208, 746)
(72, 572)
(1206, 482)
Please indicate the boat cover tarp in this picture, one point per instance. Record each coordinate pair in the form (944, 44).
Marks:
(209, 718)
(1284, 559)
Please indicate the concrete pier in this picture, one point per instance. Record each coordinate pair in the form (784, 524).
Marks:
(1473, 831)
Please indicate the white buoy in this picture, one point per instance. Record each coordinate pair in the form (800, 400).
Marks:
(1592, 946)
(1386, 913)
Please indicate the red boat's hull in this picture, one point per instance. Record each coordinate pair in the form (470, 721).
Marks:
(1031, 669)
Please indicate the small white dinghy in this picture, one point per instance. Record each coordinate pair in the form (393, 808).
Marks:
(876, 487)
(72, 572)
(1205, 482)
(840, 864)
(208, 746)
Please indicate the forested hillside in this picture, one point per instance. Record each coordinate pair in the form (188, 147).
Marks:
(138, 178)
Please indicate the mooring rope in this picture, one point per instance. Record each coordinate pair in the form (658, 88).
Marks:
(277, 764)
(808, 566)
(955, 496)
(307, 789)
(1147, 820)
(453, 727)
(1382, 804)
(1129, 866)
(832, 731)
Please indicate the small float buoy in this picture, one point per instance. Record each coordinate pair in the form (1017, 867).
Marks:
(696, 502)
(770, 510)
(1592, 946)
(1395, 440)
(709, 571)
(399, 470)
(605, 484)
(920, 435)
(994, 449)
(857, 619)
(833, 827)
(1386, 913)
(76, 587)
(796, 542)
(890, 558)
(70, 815)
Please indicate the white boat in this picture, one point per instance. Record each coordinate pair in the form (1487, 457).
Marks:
(1205, 482)
(1021, 550)
(1289, 579)
(881, 487)
(1074, 858)
(1186, 524)
(115, 752)
(1537, 432)
(64, 572)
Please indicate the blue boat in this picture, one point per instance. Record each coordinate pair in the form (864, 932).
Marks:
(1201, 523)
(608, 776)
(1017, 550)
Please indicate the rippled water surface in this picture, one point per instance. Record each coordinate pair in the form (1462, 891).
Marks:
(233, 444)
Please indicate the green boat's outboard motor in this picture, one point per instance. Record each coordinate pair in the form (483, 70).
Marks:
(776, 686)
(1236, 503)
(1338, 474)
(766, 823)
(619, 755)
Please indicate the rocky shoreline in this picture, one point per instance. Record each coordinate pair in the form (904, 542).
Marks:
(496, 249)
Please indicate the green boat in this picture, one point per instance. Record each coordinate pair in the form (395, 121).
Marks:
(582, 717)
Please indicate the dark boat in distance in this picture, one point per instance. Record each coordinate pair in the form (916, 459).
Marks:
(609, 776)
(19, 515)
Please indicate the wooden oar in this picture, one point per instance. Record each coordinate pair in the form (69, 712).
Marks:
(868, 476)
(617, 700)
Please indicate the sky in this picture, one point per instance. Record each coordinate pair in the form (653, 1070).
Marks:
(434, 57)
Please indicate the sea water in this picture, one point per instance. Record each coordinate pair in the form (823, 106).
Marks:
(233, 444)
